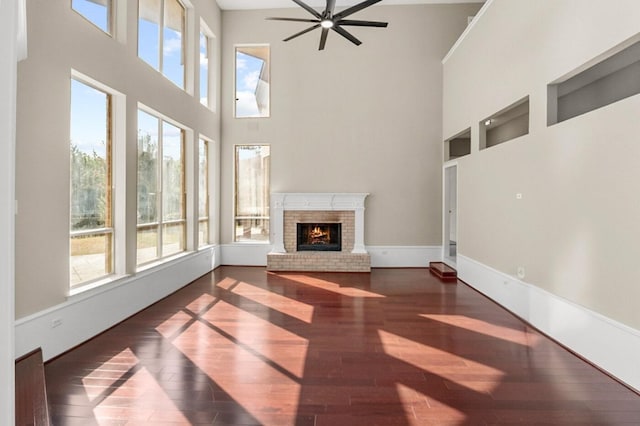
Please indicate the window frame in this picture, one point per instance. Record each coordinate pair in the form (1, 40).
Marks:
(186, 68)
(109, 230)
(207, 202)
(237, 217)
(110, 17)
(266, 114)
(211, 101)
(160, 222)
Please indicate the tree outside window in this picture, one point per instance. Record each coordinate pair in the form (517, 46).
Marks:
(161, 189)
(252, 170)
(91, 209)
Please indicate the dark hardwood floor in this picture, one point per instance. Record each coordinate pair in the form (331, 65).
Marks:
(241, 346)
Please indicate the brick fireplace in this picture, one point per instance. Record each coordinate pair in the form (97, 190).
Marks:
(291, 209)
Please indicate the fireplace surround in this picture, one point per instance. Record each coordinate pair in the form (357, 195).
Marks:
(290, 209)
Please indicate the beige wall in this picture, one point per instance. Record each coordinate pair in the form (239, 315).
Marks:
(575, 229)
(372, 114)
(61, 40)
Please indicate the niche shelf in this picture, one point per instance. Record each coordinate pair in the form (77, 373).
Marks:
(458, 146)
(506, 124)
(609, 78)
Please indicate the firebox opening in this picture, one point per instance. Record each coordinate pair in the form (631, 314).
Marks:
(319, 236)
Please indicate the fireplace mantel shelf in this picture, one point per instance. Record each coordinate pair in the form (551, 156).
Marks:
(318, 201)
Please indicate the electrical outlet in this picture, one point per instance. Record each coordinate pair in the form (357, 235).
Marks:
(56, 323)
(519, 196)
(520, 272)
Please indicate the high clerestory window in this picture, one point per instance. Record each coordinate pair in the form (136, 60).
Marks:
(161, 204)
(161, 37)
(252, 170)
(252, 79)
(91, 209)
(207, 85)
(98, 12)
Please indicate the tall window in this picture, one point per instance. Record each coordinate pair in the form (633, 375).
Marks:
(203, 193)
(96, 11)
(91, 221)
(206, 61)
(161, 189)
(252, 81)
(161, 41)
(252, 169)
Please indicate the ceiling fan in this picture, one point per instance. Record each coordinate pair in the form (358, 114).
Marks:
(327, 20)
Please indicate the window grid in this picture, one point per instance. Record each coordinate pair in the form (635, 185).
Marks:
(252, 187)
(167, 18)
(161, 227)
(91, 247)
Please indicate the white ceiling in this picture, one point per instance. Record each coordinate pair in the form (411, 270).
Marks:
(277, 4)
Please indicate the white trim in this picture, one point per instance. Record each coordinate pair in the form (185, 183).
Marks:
(245, 254)
(8, 208)
(65, 326)
(473, 23)
(446, 227)
(248, 254)
(610, 345)
(404, 256)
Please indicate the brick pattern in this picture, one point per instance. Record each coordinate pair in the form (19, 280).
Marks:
(318, 261)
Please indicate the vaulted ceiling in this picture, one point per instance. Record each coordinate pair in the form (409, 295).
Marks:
(275, 4)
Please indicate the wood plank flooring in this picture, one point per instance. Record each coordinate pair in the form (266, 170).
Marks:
(241, 346)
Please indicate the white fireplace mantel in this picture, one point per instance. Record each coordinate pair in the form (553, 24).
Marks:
(320, 202)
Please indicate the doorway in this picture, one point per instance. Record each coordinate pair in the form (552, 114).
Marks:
(450, 215)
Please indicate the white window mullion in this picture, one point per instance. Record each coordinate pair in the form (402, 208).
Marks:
(160, 187)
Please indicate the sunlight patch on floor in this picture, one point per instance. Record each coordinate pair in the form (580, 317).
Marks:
(277, 302)
(440, 363)
(520, 337)
(174, 324)
(156, 405)
(330, 286)
(242, 368)
(109, 374)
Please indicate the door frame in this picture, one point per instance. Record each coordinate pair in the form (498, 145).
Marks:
(446, 225)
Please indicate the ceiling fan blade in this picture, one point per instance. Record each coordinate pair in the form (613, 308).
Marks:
(311, 28)
(362, 23)
(323, 38)
(344, 33)
(356, 8)
(291, 19)
(308, 8)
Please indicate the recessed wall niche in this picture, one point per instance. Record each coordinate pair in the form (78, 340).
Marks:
(506, 124)
(458, 146)
(611, 77)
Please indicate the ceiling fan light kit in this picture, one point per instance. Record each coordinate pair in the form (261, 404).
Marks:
(327, 20)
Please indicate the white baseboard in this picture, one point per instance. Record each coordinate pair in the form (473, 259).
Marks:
(88, 314)
(381, 256)
(610, 345)
(245, 254)
(403, 256)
